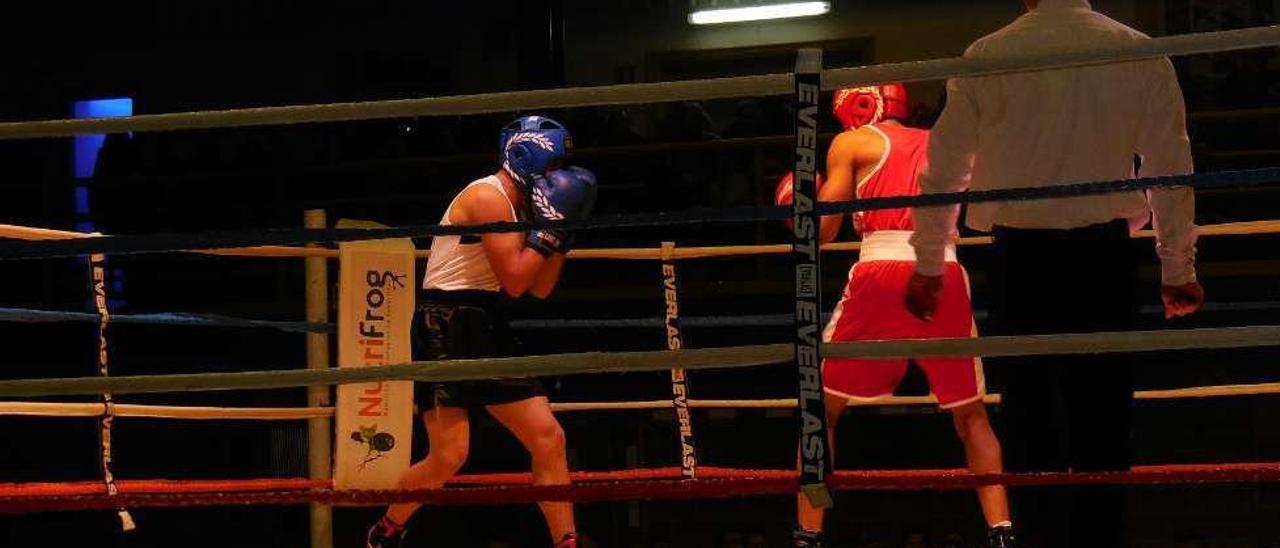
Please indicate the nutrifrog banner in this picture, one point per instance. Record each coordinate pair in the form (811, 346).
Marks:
(375, 308)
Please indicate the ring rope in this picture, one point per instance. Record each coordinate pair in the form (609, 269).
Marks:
(653, 484)
(626, 94)
(57, 409)
(186, 242)
(1238, 390)
(153, 486)
(691, 359)
(780, 320)
(1243, 228)
(124, 410)
(28, 315)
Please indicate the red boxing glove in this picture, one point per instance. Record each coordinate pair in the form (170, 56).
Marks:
(783, 196)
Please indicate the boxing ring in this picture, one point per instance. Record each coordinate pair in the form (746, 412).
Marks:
(689, 481)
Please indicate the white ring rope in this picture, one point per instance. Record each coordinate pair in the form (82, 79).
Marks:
(627, 94)
(1234, 390)
(18, 232)
(93, 410)
(617, 362)
(55, 409)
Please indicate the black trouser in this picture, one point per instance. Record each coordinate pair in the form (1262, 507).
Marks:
(1066, 412)
(465, 324)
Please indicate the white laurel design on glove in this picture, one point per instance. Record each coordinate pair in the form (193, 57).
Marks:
(544, 207)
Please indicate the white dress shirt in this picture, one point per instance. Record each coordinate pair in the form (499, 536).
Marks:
(1037, 129)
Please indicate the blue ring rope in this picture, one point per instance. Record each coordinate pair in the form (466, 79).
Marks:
(177, 319)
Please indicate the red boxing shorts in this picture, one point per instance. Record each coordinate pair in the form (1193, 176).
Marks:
(872, 309)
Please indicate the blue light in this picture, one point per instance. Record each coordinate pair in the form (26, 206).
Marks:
(84, 162)
(87, 146)
(82, 200)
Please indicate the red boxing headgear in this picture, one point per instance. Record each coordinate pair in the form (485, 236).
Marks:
(857, 107)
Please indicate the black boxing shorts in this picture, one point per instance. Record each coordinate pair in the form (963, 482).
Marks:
(465, 324)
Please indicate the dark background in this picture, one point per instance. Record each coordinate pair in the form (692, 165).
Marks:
(663, 157)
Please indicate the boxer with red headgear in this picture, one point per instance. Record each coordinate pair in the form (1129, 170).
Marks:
(876, 156)
(857, 107)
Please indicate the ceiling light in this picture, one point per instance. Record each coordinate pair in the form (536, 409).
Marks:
(761, 12)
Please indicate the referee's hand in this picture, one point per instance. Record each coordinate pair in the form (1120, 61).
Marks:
(922, 295)
(1181, 300)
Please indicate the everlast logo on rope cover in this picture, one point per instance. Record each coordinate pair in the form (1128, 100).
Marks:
(100, 304)
(811, 381)
(686, 425)
(679, 391)
(806, 158)
(373, 333)
(812, 444)
(673, 308)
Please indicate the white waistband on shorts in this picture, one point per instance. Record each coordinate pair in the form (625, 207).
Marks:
(893, 245)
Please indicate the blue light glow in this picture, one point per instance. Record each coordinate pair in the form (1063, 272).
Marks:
(82, 200)
(84, 162)
(87, 146)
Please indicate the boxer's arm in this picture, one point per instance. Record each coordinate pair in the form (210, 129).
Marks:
(839, 185)
(547, 277)
(1166, 150)
(515, 265)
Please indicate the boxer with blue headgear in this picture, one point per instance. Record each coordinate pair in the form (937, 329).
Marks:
(531, 145)
(460, 315)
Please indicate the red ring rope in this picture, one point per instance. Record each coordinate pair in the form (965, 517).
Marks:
(653, 484)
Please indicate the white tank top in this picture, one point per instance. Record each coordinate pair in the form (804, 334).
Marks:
(458, 262)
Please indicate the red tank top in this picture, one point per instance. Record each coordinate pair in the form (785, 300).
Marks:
(905, 156)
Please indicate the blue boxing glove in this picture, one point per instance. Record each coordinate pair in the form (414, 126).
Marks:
(568, 193)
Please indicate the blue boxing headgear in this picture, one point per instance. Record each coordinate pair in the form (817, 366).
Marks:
(531, 145)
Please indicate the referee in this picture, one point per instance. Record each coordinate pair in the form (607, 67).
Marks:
(1064, 265)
